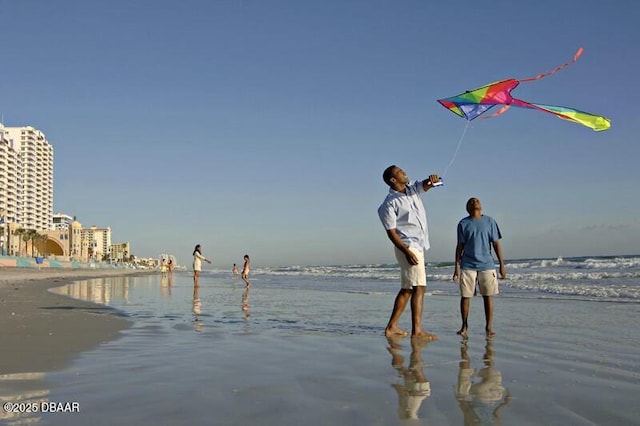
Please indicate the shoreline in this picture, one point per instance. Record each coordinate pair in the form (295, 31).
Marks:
(552, 361)
(43, 331)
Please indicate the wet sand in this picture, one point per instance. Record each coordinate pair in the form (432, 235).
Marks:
(317, 358)
(42, 331)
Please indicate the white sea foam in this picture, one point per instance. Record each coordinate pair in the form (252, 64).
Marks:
(598, 278)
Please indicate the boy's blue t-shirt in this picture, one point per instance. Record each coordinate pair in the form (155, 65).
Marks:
(477, 236)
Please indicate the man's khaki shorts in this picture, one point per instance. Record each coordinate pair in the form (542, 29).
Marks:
(411, 275)
(487, 281)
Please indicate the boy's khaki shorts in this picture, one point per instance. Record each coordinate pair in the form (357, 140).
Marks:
(487, 281)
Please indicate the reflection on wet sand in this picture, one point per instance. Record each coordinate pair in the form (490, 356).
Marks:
(97, 290)
(197, 309)
(480, 394)
(26, 392)
(166, 285)
(415, 387)
(246, 306)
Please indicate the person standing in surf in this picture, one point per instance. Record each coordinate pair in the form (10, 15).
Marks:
(234, 270)
(245, 270)
(197, 265)
(405, 220)
(477, 233)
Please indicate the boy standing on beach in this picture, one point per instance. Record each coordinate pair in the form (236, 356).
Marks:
(245, 270)
(474, 262)
(405, 220)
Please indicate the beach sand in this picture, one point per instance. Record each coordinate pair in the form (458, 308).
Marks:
(554, 374)
(42, 331)
(553, 362)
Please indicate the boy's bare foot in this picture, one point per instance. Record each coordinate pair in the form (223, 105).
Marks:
(424, 336)
(395, 332)
(462, 332)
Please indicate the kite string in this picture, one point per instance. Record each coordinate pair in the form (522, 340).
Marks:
(457, 149)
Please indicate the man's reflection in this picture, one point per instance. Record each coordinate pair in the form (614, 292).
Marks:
(480, 394)
(415, 387)
(197, 309)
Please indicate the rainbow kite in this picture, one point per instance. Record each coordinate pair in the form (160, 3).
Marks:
(476, 102)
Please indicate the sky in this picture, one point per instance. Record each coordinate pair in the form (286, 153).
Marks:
(262, 127)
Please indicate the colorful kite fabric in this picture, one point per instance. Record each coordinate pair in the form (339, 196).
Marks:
(476, 102)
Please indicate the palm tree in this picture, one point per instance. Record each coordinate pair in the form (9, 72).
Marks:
(32, 235)
(42, 239)
(20, 233)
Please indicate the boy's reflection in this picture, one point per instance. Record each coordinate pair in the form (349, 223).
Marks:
(197, 309)
(480, 394)
(246, 306)
(416, 387)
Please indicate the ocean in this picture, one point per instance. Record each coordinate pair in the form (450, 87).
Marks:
(305, 344)
(608, 278)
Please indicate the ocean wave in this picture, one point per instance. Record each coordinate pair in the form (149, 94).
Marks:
(573, 275)
(619, 262)
(557, 265)
(604, 278)
(371, 272)
(598, 292)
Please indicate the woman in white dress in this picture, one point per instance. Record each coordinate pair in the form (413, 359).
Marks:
(197, 265)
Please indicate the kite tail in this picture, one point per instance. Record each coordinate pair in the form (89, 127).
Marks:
(457, 149)
(555, 70)
(595, 122)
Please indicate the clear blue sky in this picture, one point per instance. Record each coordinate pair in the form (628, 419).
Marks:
(263, 127)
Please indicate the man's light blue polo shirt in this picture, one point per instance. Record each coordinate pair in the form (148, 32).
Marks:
(406, 213)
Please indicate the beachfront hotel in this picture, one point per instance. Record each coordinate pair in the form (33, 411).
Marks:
(28, 226)
(26, 182)
(26, 173)
(96, 242)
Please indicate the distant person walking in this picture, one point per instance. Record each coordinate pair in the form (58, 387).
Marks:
(404, 218)
(245, 269)
(477, 233)
(234, 270)
(197, 265)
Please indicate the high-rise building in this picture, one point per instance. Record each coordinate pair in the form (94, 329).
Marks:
(8, 178)
(28, 201)
(62, 221)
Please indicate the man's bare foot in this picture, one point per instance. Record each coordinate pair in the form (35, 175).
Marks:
(462, 332)
(424, 336)
(490, 333)
(395, 332)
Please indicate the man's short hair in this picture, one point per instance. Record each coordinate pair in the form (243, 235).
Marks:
(388, 174)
